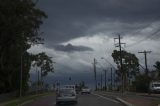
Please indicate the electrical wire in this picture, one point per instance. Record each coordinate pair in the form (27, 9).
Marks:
(154, 34)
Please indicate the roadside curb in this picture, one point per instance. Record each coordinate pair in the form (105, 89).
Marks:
(124, 102)
(3, 104)
(152, 96)
(24, 103)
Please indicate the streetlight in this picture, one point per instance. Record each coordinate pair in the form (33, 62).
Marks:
(108, 62)
(21, 74)
(111, 69)
(21, 79)
(105, 77)
(21, 71)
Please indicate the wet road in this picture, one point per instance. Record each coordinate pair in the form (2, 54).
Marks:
(83, 100)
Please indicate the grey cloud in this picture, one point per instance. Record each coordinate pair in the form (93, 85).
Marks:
(71, 48)
(68, 19)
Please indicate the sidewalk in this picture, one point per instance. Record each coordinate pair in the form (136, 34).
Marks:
(136, 99)
(141, 101)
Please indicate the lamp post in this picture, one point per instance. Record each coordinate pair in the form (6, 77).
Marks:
(21, 71)
(21, 74)
(105, 78)
(111, 69)
(20, 92)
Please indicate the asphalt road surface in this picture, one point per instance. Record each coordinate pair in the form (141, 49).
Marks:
(83, 100)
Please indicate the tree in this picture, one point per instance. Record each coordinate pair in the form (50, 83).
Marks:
(19, 24)
(130, 64)
(82, 85)
(141, 83)
(157, 66)
(45, 63)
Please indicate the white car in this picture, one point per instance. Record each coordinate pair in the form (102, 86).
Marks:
(66, 95)
(70, 86)
(85, 91)
(155, 87)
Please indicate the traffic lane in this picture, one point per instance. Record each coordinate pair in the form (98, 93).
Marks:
(43, 101)
(132, 95)
(94, 100)
(97, 100)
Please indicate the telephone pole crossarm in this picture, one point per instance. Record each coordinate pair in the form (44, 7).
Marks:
(119, 44)
(145, 55)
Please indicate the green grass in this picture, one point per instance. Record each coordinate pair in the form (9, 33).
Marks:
(155, 102)
(19, 101)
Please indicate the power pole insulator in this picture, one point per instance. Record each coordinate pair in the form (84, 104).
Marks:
(121, 64)
(145, 56)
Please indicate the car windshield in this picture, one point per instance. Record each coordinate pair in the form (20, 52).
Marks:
(156, 85)
(66, 91)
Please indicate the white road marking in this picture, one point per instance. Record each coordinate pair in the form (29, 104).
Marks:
(53, 104)
(112, 100)
(125, 102)
(24, 103)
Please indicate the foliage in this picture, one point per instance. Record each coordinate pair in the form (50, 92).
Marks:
(20, 21)
(157, 66)
(82, 85)
(141, 83)
(129, 68)
(130, 62)
(44, 62)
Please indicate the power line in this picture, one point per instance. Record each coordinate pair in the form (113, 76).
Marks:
(148, 37)
(145, 55)
(109, 63)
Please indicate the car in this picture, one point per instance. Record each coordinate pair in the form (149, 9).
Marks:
(155, 86)
(66, 95)
(85, 91)
(70, 86)
(75, 87)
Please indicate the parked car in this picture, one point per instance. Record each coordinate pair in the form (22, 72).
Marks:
(155, 86)
(86, 91)
(66, 95)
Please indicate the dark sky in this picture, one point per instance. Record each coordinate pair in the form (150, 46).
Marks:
(68, 19)
(88, 27)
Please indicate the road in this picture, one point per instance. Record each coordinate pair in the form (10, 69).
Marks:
(83, 100)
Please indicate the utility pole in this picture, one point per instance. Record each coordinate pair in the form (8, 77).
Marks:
(21, 76)
(95, 73)
(114, 84)
(111, 79)
(38, 81)
(101, 81)
(105, 79)
(121, 64)
(145, 55)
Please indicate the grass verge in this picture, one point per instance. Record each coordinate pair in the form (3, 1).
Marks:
(18, 101)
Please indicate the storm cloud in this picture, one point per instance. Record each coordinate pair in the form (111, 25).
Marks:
(77, 31)
(71, 48)
(68, 19)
